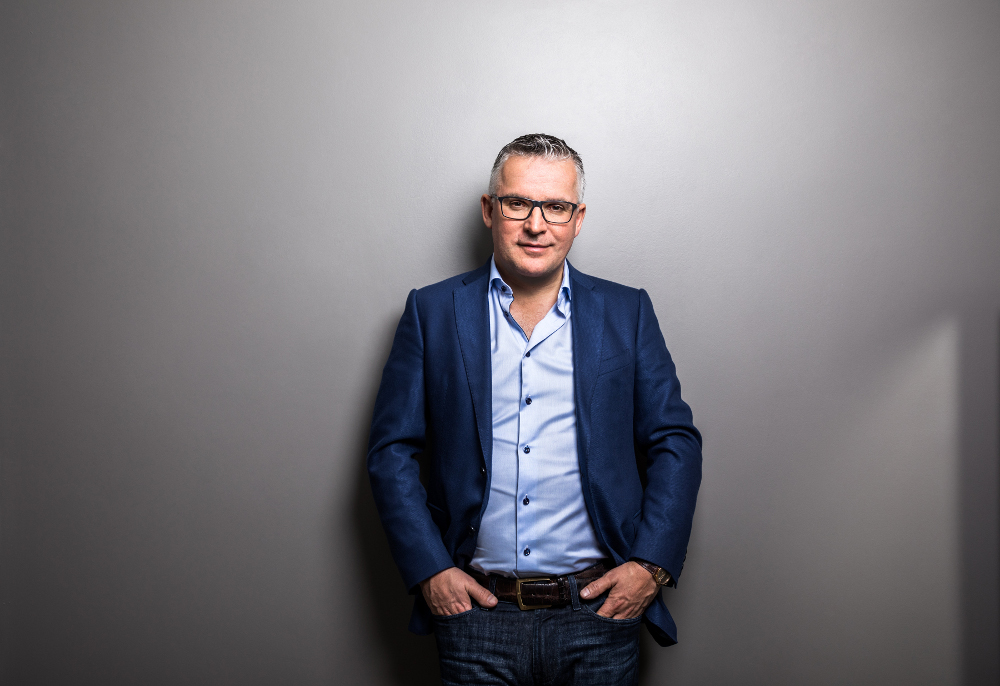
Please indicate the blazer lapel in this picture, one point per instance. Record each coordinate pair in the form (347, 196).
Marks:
(588, 336)
(472, 318)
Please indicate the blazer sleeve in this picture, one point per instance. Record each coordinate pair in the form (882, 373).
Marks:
(664, 432)
(398, 436)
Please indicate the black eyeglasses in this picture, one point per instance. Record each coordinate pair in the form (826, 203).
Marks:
(553, 211)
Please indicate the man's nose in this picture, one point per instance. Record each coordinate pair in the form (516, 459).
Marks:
(535, 223)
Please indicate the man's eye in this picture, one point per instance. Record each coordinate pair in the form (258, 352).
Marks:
(515, 204)
(556, 207)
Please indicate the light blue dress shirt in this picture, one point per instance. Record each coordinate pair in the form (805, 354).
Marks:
(536, 521)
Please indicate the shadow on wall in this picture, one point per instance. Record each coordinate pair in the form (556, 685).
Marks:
(979, 501)
(480, 241)
(412, 659)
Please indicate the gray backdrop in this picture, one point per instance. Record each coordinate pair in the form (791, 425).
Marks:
(212, 212)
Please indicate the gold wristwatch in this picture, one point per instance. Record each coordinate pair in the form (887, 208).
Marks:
(660, 575)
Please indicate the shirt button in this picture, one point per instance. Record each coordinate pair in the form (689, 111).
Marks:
(525, 501)
(527, 354)
(527, 450)
(527, 401)
(527, 551)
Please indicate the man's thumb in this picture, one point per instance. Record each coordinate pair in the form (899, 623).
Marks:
(595, 588)
(481, 595)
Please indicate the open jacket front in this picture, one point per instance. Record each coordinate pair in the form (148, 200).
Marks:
(633, 429)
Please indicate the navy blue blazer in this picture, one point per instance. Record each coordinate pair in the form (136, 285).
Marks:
(640, 454)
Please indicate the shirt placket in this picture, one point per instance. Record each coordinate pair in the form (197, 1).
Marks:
(527, 473)
(522, 522)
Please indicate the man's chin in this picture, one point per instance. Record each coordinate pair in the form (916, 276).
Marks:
(536, 269)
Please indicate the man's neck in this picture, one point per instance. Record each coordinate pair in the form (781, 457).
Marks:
(533, 298)
(536, 290)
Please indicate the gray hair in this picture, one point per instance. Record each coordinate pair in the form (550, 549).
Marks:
(538, 145)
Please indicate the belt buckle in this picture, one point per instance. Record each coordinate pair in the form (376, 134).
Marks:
(530, 580)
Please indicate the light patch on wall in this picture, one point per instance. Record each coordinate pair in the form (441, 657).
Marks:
(873, 564)
(833, 557)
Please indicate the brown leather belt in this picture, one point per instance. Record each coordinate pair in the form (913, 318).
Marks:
(539, 592)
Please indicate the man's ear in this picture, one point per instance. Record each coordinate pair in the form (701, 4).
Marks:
(580, 211)
(487, 202)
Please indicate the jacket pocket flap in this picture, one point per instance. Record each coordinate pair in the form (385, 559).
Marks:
(610, 364)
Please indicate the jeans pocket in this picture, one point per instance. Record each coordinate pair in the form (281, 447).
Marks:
(591, 607)
(449, 618)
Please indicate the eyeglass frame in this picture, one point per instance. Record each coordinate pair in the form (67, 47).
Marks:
(534, 204)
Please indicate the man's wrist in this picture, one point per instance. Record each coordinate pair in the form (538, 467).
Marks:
(660, 575)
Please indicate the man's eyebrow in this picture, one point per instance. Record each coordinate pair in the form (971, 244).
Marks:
(525, 197)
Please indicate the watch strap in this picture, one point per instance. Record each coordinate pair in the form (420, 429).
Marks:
(660, 575)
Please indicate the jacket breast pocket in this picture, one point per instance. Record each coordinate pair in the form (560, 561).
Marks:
(615, 362)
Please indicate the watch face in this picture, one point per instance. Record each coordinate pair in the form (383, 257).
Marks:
(661, 577)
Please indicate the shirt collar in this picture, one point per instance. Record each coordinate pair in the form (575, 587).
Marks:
(496, 281)
(507, 295)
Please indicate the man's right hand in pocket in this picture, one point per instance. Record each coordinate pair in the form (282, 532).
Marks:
(452, 591)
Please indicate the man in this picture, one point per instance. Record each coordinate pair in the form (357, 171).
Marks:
(540, 401)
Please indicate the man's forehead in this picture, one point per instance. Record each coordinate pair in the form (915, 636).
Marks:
(538, 176)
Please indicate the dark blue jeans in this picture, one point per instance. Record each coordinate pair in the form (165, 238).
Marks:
(570, 645)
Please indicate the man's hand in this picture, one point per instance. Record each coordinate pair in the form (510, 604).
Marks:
(632, 590)
(452, 591)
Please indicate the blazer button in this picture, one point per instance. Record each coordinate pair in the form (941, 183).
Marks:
(472, 528)
(482, 470)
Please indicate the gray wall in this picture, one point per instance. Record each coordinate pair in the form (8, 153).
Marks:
(212, 213)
